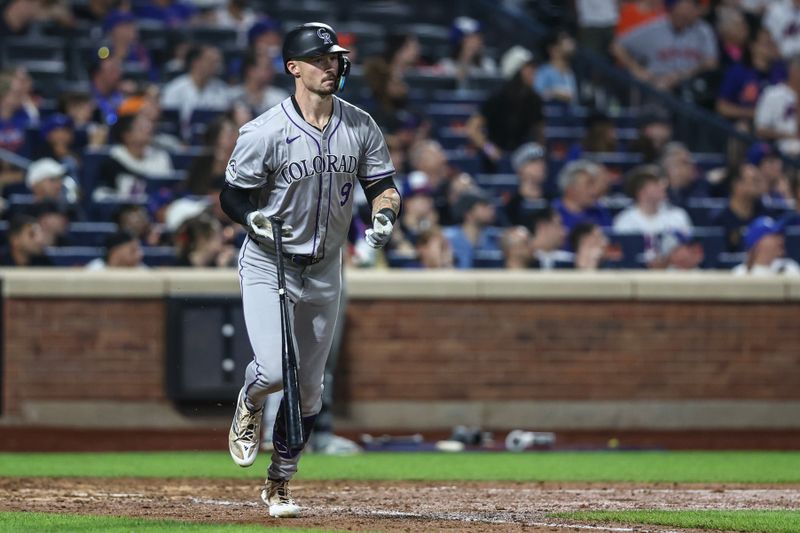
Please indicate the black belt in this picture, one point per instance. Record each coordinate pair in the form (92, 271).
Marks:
(302, 260)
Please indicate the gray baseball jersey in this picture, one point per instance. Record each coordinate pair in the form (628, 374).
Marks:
(307, 176)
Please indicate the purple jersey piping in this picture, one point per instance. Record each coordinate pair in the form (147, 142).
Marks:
(330, 181)
(387, 173)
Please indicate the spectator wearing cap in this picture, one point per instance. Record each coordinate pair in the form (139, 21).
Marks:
(683, 179)
(25, 244)
(596, 22)
(677, 250)
(578, 203)
(555, 80)
(747, 187)
(590, 247)
(257, 91)
(200, 87)
(782, 20)
(171, 13)
(468, 57)
(265, 38)
(770, 163)
(58, 134)
(511, 116)
(47, 180)
(651, 215)
(655, 131)
(105, 75)
(766, 250)
(776, 111)
(530, 166)
(744, 81)
(121, 32)
(548, 240)
(131, 160)
(123, 250)
(476, 212)
(516, 245)
(669, 50)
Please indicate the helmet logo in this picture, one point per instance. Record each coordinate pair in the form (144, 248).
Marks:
(324, 35)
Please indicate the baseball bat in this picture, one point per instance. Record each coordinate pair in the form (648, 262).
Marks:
(291, 389)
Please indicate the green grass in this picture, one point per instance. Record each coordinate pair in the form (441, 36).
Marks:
(744, 520)
(46, 522)
(677, 467)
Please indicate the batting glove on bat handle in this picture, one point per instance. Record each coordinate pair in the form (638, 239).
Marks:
(261, 226)
(381, 231)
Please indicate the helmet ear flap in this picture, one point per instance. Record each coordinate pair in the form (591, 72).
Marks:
(344, 71)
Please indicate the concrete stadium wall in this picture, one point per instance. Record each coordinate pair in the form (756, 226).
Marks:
(434, 349)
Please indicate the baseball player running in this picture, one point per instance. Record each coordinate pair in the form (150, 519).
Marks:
(300, 161)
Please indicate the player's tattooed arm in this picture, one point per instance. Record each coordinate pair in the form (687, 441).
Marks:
(384, 197)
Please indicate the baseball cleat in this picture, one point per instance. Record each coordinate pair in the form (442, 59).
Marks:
(244, 434)
(278, 497)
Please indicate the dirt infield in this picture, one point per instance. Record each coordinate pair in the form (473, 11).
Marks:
(382, 506)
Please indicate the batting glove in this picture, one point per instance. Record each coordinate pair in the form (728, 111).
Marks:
(381, 231)
(260, 225)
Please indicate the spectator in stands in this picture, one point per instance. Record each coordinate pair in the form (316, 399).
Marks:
(683, 179)
(469, 57)
(132, 160)
(207, 172)
(13, 119)
(655, 131)
(733, 34)
(651, 215)
(265, 38)
(747, 187)
(530, 165)
(776, 111)
(670, 50)
(200, 87)
(431, 170)
(511, 116)
(53, 218)
(677, 250)
(123, 250)
(402, 53)
(744, 81)
(548, 240)
(235, 15)
(172, 13)
(256, 90)
(600, 137)
(80, 108)
(419, 213)
(555, 80)
(17, 17)
(590, 246)
(434, 250)
(476, 212)
(105, 75)
(516, 245)
(769, 162)
(92, 12)
(22, 82)
(134, 219)
(59, 137)
(122, 35)
(636, 13)
(388, 103)
(596, 22)
(578, 184)
(782, 19)
(766, 250)
(47, 180)
(147, 102)
(200, 244)
(25, 244)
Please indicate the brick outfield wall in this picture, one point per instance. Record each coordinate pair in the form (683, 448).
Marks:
(101, 349)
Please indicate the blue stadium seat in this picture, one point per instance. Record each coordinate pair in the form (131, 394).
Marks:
(90, 234)
(103, 211)
(728, 260)
(73, 256)
(632, 247)
(702, 210)
(713, 241)
(488, 259)
(183, 159)
(793, 242)
(452, 138)
(401, 260)
(497, 184)
(469, 163)
(449, 115)
(159, 256)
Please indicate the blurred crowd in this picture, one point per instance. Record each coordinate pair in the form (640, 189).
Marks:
(122, 166)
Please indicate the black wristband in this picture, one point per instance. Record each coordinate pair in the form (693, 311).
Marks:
(388, 213)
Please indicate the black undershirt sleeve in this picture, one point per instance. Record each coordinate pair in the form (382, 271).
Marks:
(236, 203)
(375, 189)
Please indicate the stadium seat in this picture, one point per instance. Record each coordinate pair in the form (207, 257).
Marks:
(497, 184)
(728, 260)
(713, 241)
(90, 234)
(488, 259)
(703, 210)
(159, 256)
(632, 247)
(793, 242)
(73, 256)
